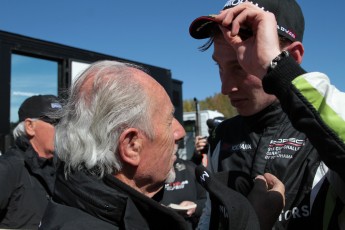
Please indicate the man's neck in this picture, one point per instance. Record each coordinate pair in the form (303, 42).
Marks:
(146, 189)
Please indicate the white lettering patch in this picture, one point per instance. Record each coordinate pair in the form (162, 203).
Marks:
(232, 3)
(176, 185)
(289, 146)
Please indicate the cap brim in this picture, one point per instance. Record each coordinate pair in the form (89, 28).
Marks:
(201, 27)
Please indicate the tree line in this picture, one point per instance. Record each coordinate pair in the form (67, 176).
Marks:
(217, 102)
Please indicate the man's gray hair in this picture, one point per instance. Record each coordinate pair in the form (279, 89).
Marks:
(19, 130)
(96, 114)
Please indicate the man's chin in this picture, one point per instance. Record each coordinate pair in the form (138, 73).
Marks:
(171, 176)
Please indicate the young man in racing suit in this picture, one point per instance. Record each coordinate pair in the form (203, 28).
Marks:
(296, 139)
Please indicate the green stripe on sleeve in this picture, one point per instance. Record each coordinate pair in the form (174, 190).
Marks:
(328, 115)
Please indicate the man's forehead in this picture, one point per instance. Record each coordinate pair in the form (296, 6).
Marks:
(223, 51)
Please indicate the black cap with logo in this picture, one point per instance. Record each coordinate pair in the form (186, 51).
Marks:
(288, 14)
(38, 106)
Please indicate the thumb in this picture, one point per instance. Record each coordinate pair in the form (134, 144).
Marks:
(260, 184)
(274, 184)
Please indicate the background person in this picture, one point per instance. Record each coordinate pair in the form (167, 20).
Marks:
(26, 169)
(201, 144)
(185, 191)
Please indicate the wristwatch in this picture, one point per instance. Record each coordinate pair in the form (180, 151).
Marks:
(277, 59)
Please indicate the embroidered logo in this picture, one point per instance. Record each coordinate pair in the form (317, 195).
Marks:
(241, 147)
(204, 176)
(176, 185)
(55, 105)
(287, 31)
(283, 148)
(237, 147)
(232, 3)
(295, 213)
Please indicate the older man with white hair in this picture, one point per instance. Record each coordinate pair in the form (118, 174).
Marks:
(27, 172)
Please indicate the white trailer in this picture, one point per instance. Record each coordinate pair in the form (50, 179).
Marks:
(189, 123)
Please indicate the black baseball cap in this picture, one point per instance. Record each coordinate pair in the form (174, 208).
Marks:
(38, 106)
(288, 14)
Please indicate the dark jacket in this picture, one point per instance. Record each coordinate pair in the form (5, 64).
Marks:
(267, 142)
(185, 188)
(84, 201)
(26, 182)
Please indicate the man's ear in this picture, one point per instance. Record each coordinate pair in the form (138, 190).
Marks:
(130, 146)
(296, 50)
(29, 126)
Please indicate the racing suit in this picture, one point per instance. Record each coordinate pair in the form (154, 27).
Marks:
(295, 140)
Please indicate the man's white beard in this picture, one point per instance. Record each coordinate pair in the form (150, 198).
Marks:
(171, 176)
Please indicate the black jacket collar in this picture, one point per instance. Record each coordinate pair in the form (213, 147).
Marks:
(40, 167)
(112, 201)
(268, 117)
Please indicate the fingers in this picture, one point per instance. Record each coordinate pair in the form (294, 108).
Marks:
(239, 17)
(186, 203)
(274, 184)
(275, 187)
(268, 182)
(191, 210)
(260, 184)
(200, 142)
(252, 32)
(246, 17)
(268, 199)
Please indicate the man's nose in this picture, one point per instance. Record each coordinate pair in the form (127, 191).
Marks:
(179, 131)
(229, 85)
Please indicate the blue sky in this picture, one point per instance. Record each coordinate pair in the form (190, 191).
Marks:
(156, 32)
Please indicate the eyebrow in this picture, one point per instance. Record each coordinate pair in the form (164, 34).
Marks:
(171, 116)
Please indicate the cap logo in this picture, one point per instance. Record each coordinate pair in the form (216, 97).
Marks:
(231, 3)
(203, 25)
(288, 32)
(55, 105)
